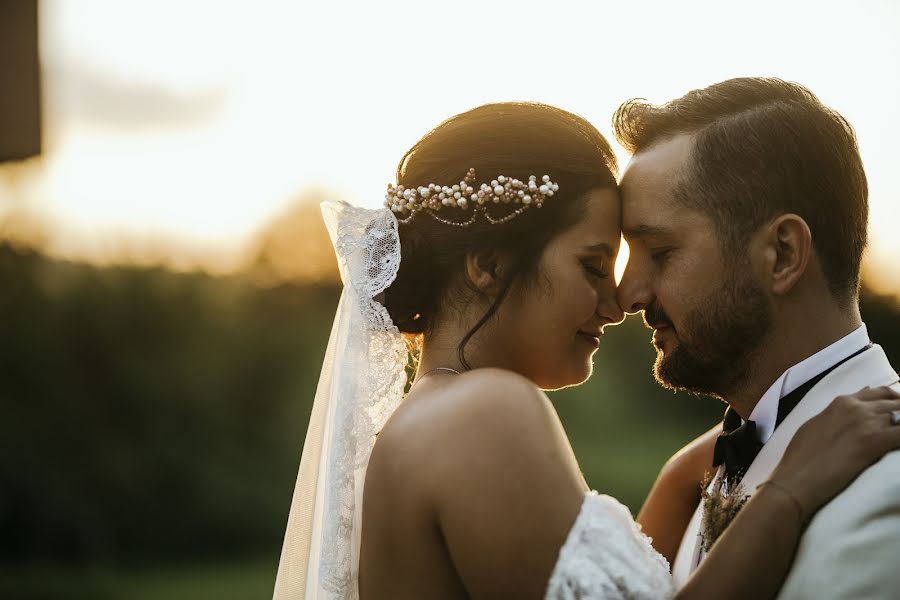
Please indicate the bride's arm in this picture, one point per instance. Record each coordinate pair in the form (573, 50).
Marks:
(754, 554)
(676, 494)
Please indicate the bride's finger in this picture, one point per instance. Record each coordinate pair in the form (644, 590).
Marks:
(876, 393)
(873, 428)
(858, 405)
(887, 433)
(880, 407)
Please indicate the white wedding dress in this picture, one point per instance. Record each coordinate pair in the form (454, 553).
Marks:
(606, 557)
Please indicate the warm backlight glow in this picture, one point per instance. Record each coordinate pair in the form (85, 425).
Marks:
(199, 121)
(621, 260)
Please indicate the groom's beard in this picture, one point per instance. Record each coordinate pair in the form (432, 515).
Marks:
(716, 343)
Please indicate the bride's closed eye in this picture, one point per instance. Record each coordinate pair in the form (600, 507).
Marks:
(594, 271)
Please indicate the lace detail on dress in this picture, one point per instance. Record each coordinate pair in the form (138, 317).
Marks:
(606, 556)
(367, 245)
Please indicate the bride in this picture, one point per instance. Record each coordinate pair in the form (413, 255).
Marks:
(492, 265)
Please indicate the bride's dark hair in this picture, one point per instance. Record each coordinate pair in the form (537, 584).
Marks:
(515, 139)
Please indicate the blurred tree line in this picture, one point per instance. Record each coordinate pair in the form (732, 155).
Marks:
(147, 415)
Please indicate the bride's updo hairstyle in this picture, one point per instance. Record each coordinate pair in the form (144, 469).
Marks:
(512, 139)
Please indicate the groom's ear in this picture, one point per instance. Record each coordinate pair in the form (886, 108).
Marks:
(788, 248)
(485, 271)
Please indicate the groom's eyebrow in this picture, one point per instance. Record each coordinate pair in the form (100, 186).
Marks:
(644, 230)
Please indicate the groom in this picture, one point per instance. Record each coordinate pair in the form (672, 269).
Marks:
(745, 209)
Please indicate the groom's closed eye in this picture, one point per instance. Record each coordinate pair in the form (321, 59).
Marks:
(660, 255)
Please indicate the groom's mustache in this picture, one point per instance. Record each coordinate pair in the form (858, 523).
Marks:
(655, 317)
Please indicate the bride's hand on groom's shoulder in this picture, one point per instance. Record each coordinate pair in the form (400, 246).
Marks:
(832, 449)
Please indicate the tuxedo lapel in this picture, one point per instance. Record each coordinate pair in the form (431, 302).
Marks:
(871, 368)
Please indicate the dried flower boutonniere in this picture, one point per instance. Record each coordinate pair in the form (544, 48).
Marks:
(721, 504)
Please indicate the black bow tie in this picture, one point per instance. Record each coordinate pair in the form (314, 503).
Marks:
(737, 445)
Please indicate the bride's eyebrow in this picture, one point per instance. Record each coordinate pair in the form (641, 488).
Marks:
(602, 248)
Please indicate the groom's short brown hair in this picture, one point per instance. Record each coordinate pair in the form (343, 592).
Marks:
(763, 147)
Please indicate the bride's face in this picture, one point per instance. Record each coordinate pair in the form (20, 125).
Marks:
(550, 331)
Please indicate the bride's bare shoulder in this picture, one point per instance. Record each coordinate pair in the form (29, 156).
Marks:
(494, 396)
(469, 405)
(480, 424)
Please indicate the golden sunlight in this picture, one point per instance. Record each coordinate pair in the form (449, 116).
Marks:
(203, 142)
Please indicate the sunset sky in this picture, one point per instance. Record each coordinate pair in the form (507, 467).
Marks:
(189, 125)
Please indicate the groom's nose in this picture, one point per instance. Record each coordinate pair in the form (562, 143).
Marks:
(634, 293)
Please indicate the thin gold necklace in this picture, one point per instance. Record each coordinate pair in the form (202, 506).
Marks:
(430, 371)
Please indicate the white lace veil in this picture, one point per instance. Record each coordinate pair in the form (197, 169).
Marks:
(361, 383)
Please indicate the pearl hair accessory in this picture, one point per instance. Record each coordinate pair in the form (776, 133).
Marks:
(406, 203)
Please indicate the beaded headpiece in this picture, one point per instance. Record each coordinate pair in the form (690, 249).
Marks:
(406, 203)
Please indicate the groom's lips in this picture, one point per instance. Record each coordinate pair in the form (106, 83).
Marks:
(658, 331)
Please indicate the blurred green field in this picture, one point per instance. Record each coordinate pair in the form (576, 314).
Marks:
(231, 580)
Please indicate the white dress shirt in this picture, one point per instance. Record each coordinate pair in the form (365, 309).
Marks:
(766, 412)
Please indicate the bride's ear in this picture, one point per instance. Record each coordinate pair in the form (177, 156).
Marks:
(485, 271)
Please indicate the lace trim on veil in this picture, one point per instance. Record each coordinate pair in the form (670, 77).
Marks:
(367, 244)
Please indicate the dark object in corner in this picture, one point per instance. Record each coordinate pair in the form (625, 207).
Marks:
(20, 81)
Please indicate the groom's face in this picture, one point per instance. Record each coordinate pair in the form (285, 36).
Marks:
(707, 311)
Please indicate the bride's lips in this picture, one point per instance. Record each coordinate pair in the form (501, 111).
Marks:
(591, 338)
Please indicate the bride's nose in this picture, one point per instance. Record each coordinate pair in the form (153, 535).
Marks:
(608, 309)
(633, 293)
